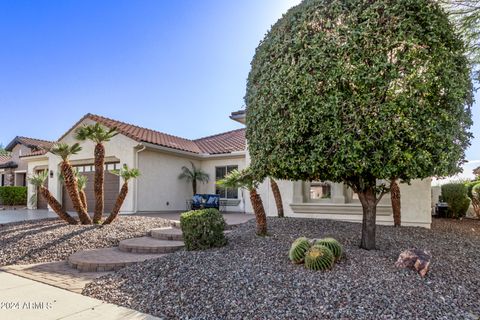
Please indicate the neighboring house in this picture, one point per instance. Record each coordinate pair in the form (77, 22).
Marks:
(160, 157)
(323, 199)
(13, 169)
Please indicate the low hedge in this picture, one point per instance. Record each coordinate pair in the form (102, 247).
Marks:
(203, 229)
(13, 196)
(456, 195)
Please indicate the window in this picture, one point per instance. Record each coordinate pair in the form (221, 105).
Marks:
(225, 193)
(320, 190)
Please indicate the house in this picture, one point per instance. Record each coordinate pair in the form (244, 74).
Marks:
(160, 157)
(13, 169)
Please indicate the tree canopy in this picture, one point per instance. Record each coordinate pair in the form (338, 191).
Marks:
(356, 91)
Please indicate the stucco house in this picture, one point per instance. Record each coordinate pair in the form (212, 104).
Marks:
(160, 156)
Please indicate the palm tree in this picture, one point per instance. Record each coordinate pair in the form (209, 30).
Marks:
(99, 135)
(278, 197)
(396, 202)
(38, 180)
(64, 151)
(245, 179)
(126, 174)
(82, 183)
(193, 175)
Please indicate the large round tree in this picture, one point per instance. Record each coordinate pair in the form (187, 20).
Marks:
(359, 92)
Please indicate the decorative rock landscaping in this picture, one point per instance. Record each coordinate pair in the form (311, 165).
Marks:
(252, 277)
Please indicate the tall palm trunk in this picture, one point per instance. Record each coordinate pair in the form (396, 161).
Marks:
(118, 204)
(396, 203)
(194, 186)
(83, 198)
(278, 198)
(260, 216)
(56, 206)
(72, 189)
(98, 188)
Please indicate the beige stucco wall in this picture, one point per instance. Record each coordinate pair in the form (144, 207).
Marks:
(159, 188)
(120, 148)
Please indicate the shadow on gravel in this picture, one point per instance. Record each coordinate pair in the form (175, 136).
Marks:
(49, 245)
(23, 233)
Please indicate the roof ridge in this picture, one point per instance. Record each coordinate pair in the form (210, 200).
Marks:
(219, 134)
(137, 126)
(41, 140)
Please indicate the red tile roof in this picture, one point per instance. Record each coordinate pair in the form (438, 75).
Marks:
(218, 144)
(29, 142)
(5, 159)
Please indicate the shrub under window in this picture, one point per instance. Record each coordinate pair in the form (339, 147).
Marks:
(203, 229)
(13, 196)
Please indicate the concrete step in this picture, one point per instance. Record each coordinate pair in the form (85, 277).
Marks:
(105, 259)
(169, 233)
(149, 245)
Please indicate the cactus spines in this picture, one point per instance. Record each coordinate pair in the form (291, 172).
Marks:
(298, 249)
(319, 257)
(333, 245)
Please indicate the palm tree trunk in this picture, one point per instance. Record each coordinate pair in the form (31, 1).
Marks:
(98, 187)
(56, 206)
(476, 206)
(118, 204)
(258, 209)
(72, 189)
(194, 186)
(396, 203)
(278, 197)
(83, 198)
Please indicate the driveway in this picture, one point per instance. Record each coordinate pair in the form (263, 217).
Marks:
(7, 216)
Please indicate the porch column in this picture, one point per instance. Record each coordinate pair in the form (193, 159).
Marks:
(337, 193)
(297, 192)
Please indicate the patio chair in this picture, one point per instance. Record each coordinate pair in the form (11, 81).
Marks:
(213, 201)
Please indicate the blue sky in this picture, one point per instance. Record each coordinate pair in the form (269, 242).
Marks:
(178, 66)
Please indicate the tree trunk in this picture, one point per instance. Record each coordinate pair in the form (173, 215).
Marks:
(194, 186)
(98, 187)
(118, 204)
(56, 206)
(260, 216)
(72, 188)
(83, 198)
(278, 198)
(476, 205)
(368, 199)
(396, 203)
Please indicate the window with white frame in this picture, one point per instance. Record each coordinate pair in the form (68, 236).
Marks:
(220, 173)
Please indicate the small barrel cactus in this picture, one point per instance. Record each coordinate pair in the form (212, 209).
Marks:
(333, 245)
(298, 249)
(319, 257)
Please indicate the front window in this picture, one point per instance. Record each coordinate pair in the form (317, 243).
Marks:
(225, 193)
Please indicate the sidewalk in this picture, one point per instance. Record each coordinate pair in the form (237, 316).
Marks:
(24, 299)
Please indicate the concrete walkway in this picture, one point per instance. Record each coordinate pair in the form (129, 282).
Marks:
(7, 216)
(23, 299)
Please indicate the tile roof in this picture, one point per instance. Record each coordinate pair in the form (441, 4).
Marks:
(29, 142)
(4, 159)
(34, 153)
(223, 143)
(218, 144)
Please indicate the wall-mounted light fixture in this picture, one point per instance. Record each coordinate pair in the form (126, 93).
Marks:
(51, 174)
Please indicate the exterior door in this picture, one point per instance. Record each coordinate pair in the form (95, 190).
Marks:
(41, 202)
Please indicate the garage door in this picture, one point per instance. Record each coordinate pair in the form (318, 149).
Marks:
(41, 202)
(111, 188)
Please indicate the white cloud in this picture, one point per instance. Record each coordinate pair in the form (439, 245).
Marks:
(467, 173)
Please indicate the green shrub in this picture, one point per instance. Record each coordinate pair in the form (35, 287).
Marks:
(298, 249)
(333, 245)
(470, 187)
(13, 196)
(203, 229)
(319, 257)
(455, 194)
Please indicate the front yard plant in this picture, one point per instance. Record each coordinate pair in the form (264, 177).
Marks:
(455, 194)
(298, 249)
(203, 229)
(318, 254)
(319, 258)
(13, 196)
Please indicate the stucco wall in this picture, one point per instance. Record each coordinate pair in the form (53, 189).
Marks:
(159, 188)
(120, 148)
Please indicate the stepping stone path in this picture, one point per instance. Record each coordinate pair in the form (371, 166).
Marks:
(158, 242)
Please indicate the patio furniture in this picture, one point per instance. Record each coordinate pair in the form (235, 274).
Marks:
(205, 201)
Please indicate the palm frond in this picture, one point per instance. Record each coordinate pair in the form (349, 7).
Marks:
(126, 173)
(64, 150)
(38, 179)
(95, 132)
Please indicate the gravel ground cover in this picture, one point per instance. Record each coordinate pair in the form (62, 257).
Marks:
(251, 278)
(53, 240)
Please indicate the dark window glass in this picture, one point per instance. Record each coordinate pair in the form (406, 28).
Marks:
(225, 193)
